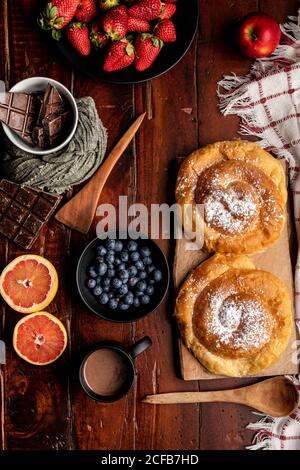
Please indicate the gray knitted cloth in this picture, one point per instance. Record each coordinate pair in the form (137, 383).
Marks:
(59, 171)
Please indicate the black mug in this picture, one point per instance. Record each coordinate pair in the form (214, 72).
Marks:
(124, 365)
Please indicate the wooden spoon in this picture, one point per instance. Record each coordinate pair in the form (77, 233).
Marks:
(79, 212)
(275, 397)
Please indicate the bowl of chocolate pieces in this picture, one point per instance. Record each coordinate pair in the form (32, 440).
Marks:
(39, 115)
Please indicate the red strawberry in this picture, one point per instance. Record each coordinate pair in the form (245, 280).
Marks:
(107, 4)
(147, 48)
(57, 14)
(167, 11)
(115, 22)
(120, 54)
(165, 30)
(97, 36)
(86, 11)
(136, 25)
(145, 9)
(78, 35)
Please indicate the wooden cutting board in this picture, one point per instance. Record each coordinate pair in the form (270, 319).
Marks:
(276, 260)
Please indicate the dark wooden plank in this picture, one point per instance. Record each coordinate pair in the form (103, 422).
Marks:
(221, 427)
(99, 426)
(38, 403)
(217, 56)
(170, 134)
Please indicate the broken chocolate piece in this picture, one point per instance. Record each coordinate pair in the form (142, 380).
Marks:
(52, 102)
(24, 212)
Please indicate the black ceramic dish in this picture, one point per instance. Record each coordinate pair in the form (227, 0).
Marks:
(186, 22)
(134, 313)
(128, 355)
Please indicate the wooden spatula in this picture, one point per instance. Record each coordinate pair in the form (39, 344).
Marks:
(275, 397)
(79, 212)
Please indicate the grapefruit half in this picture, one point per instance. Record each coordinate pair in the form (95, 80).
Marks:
(40, 338)
(29, 283)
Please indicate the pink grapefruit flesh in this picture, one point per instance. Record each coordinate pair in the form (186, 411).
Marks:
(40, 338)
(29, 283)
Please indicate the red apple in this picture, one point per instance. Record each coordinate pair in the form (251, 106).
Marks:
(258, 35)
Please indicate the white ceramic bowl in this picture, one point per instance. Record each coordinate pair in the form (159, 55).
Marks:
(39, 84)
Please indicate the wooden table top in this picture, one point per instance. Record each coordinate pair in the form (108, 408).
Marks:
(45, 408)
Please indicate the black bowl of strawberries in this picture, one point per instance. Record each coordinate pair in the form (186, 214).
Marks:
(122, 41)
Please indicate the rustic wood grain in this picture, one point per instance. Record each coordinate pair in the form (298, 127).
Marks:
(46, 408)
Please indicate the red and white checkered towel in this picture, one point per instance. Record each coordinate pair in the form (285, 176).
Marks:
(268, 103)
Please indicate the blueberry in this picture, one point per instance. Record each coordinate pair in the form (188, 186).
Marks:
(106, 289)
(98, 280)
(150, 269)
(97, 291)
(123, 275)
(101, 251)
(113, 304)
(157, 275)
(111, 273)
(118, 246)
(124, 256)
(110, 295)
(123, 306)
(139, 265)
(138, 293)
(117, 261)
(121, 266)
(110, 244)
(110, 258)
(150, 290)
(141, 286)
(132, 245)
(106, 282)
(132, 281)
(101, 269)
(147, 261)
(134, 256)
(116, 283)
(132, 271)
(151, 282)
(103, 299)
(91, 283)
(92, 272)
(145, 251)
(145, 299)
(142, 275)
(99, 259)
(136, 302)
(123, 289)
(128, 299)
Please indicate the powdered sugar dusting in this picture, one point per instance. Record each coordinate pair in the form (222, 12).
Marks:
(242, 323)
(229, 211)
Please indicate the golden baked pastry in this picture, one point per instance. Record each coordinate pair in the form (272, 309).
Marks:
(235, 319)
(243, 190)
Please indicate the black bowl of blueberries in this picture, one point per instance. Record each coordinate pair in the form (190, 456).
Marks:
(122, 278)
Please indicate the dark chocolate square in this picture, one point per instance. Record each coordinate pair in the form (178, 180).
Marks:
(33, 223)
(16, 212)
(9, 187)
(4, 202)
(25, 238)
(26, 197)
(42, 208)
(8, 227)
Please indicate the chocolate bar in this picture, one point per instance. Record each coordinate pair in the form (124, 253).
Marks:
(18, 111)
(24, 212)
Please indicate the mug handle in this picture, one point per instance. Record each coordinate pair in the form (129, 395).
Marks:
(139, 347)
